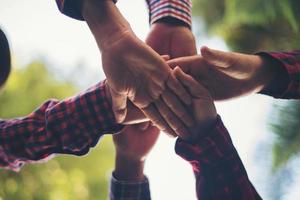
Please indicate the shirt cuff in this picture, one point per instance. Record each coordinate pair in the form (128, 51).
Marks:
(181, 10)
(286, 82)
(210, 150)
(129, 190)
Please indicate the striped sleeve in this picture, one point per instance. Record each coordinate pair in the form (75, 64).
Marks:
(179, 9)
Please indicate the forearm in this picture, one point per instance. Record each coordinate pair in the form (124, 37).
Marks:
(217, 166)
(127, 169)
(105, 21)
(71, 126)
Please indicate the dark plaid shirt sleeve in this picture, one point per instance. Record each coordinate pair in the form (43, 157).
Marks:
(72, 8)
(218, 169)
(286, 84)
(129, 190)
(71, 126)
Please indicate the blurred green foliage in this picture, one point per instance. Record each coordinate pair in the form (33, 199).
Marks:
(287, 130)
(251, 26)
(64, 177)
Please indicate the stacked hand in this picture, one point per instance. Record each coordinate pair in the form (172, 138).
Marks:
(176, 41)
(227, 75)
(202, 108)
(132, 147)
(142, 76)
(135, 72)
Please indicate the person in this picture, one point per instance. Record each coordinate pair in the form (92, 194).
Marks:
(218, 169)
(5, 64)
(135, 71)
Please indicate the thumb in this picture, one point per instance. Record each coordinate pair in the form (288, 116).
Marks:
(218, 58)
(143, 126)
(166, 57)
(196, 89)
(119, 105)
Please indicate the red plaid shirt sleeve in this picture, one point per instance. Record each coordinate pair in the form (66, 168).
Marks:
(71, 126)
(218, 169)
(286, 84)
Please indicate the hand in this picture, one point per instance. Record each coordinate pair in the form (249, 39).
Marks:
(173, 40)
(203, 108)
(133, 70)
(132, 147)
(227, 75)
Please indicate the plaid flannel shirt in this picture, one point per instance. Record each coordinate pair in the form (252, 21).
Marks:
(158, 9)
(71, 126)
(219, 171)
(129, 190)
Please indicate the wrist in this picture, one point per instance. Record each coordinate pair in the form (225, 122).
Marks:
(129, 169)
(105, 21)
(203, 128)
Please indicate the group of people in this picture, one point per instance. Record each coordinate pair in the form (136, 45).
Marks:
(161, 84)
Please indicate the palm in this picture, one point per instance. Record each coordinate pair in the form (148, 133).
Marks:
(135, 143)
(176, 41)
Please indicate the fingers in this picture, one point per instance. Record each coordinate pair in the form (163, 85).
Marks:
(153, 114)
(172, 120)
(184, 62)
(178, 89)
(166, 57)
(195, 88)
(177, 108)
(218, 58)
(119, 105)
(143, 126)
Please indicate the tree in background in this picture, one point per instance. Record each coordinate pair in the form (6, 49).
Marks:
(251, 26)
(64, 177)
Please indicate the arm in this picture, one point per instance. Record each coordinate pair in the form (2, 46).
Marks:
(71, 126)
(219, 171)
(132, 147)
(134, 71)
(276, 74)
